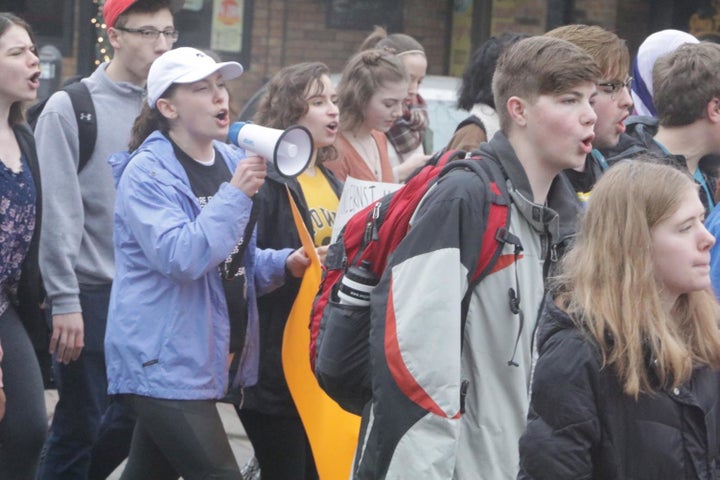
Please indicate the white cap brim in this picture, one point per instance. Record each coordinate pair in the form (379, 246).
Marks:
(185, 65)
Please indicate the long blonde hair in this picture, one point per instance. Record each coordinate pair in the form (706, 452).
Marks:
(608, 285)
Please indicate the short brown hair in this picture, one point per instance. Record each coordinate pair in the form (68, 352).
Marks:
(684, 81)
(536, 66)
(609, 51)
(364, 74)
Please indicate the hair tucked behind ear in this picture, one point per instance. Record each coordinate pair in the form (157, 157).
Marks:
(608, 284)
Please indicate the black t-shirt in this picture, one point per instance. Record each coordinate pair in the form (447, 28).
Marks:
(205, 180)
(582, 182)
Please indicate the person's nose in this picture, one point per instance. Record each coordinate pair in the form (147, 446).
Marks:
(33, 59)
(163, 43)
(589, 117)
(707, 240)
(625, 99)
(220, 94)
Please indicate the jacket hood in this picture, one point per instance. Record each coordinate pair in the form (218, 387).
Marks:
(119, 161)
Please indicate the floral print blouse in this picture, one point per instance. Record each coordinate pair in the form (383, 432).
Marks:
(17, 223)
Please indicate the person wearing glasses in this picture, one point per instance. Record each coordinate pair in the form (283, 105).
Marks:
(76, 250)
(612, 102)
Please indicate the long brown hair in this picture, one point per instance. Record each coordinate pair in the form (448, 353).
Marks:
(285, 100)
(7, 20)
(608, 285)
(364, 74)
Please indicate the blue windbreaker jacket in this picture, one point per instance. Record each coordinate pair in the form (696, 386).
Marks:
(168, 328)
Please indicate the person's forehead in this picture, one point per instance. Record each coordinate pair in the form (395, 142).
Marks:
(161, 17)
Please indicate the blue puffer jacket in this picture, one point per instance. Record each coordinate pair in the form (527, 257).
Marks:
(168, 328)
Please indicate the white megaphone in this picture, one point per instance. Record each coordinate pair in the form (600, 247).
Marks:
(290, 149)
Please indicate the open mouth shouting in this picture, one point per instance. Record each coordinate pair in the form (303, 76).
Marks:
(586, 143)
(34, 80)
(332, 128)
(223, 118)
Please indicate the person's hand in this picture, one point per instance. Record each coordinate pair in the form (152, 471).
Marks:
(412, 163)
(249, 175)
(322, 253)
(297, 262)
(67, 337)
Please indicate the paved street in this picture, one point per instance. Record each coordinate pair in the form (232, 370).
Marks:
(238, 440)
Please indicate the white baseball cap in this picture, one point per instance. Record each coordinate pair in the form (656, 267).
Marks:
(185, 65)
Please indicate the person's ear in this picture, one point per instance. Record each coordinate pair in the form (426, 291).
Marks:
(517, 109)
(166, 108)
(113, 36)
(712, 110)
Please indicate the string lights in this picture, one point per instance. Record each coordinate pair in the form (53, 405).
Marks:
(102, 46)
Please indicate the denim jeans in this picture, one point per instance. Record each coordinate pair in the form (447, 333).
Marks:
(82, 398)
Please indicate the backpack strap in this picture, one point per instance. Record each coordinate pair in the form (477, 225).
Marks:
(84, 109)
(496, 235)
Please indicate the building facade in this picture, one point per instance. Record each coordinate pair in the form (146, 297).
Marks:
(265, 35)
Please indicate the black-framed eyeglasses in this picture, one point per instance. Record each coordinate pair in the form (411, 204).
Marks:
(152, 33)
(612, 88)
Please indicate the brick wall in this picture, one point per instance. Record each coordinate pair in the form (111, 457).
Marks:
(524, 16)
(286, 32)
(592, 12)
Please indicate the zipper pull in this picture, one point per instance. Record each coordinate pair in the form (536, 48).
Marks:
(463, 393)
(375, 216)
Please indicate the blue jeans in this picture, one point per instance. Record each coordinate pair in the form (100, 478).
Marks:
(82, 398)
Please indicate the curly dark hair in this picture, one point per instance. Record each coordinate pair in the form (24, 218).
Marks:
(284, 102)
(476, 84)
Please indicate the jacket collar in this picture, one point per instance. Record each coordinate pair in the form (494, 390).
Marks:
(561, 214)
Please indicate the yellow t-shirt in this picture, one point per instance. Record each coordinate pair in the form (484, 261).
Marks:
(322, 204)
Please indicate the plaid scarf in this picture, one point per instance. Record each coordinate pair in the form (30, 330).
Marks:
(407, 132)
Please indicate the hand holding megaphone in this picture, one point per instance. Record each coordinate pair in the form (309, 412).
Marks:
(249, 175)
(290, 150)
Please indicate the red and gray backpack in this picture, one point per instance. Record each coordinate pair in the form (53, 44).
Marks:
(339, 348)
